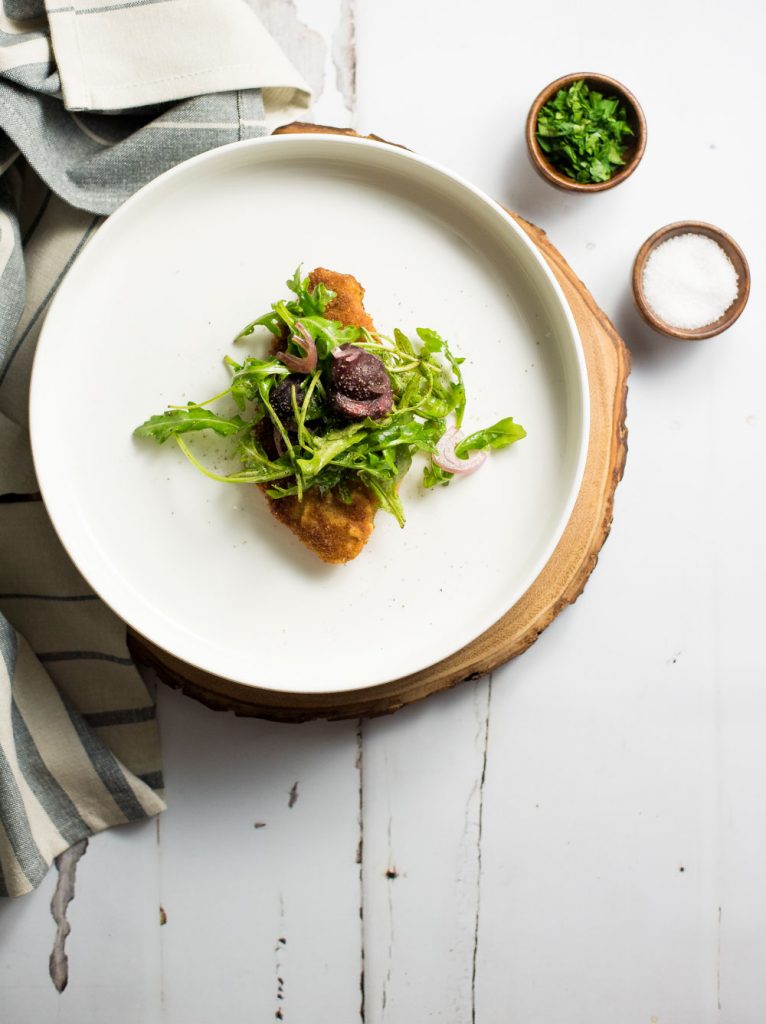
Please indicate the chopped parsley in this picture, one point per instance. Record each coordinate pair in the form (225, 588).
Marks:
(583, 133)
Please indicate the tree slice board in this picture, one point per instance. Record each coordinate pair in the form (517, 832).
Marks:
(559, 584)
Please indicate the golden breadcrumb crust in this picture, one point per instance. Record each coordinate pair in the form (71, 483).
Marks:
(331, 528)
(348, 304)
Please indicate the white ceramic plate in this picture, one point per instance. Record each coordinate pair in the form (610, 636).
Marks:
(144, 319)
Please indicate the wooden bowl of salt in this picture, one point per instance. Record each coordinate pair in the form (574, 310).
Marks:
(690, 280)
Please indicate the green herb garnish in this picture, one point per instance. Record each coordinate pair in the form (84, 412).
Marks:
(583, 133)
(302, 442)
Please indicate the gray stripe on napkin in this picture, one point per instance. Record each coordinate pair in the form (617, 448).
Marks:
(120, 5)
(43, 305)
(17, 826)
(14, 819)
(8, 647)
(51, 795)
(107, 766)
(123, 716)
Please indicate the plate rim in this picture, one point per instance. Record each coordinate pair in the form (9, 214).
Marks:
(340, 142)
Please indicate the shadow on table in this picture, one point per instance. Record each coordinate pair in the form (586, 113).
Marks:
(647, 346)
(533, 198)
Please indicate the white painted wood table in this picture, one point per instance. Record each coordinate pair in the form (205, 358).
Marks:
(579, 838)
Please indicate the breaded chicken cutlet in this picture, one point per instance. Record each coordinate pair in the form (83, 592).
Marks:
(328, 424)
(333, 529)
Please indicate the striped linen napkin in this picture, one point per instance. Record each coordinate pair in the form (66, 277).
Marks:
(79, 747)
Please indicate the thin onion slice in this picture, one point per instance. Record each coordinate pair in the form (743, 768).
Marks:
(279, 443)
(301, 364)
(347, 353)
(446, 459)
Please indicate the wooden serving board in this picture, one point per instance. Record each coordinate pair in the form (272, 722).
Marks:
(559, 584)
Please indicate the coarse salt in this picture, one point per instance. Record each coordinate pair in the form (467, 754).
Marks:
(689, 281)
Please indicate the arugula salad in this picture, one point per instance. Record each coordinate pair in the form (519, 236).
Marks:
(337, 405)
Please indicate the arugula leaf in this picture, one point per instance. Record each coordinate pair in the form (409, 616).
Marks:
(432, 342)
(327, 448)
(447, 390)
(252, 455)
(247, 378)
(405, 432)
(258, 475)
(503, 433)
(329, 334)
(404, 343)
(270, 320)
(312, 301)
(435, 476)
(308, 302)
(387, 494)
(181, 421)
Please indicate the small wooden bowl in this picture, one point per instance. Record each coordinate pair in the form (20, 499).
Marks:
(732, 250)
(635, 117)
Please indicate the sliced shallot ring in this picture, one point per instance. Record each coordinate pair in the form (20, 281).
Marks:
(301, 364)
(348, 353)
(446, 459)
